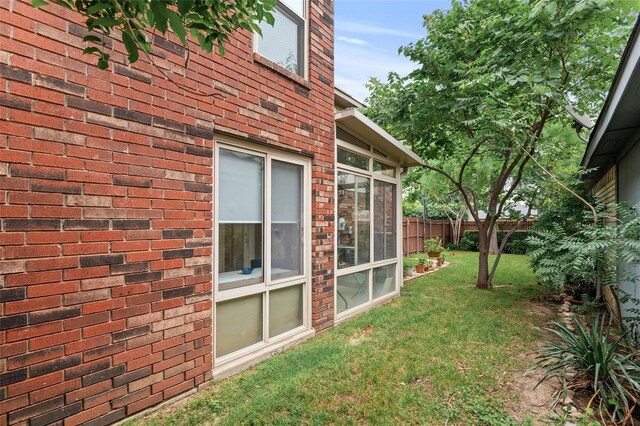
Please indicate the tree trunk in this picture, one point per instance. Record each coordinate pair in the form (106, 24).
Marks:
(484, 282)
(493, 241)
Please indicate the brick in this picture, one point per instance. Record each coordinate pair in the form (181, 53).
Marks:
(96, 283)
(88, 200)
(13, 377)
(37, 172)
(53, 315)
(15, 74)
(88, 105)
(183, 291)
(177, 254)
(54, 365)
(129, 268)
(103, 375)
(57, 187)
(111, 259)
(32, 224)
(20, 306)
(128, 224)
(10, 294)
(177, 233)
(15, 102)
(143, 277)
(140, 182)
(128, 72)
(30, 358)
(134, 332)
(84, 224)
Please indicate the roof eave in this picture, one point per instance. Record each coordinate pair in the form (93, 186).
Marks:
(358, 123)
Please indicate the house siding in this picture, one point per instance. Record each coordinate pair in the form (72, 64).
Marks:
(604, 190)
(106, 207)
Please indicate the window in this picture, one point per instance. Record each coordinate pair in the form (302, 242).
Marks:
(261, 294)
(384, 220)
(367, 227)
(353, 220)
(284, 42)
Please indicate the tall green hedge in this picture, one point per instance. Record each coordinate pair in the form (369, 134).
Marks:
(470, 242)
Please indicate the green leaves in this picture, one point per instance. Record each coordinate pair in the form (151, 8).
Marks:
(208, 21)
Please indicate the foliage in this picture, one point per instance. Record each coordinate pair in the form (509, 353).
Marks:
(601, 364)
(490, 91)
(433, 245)
(517, 243)
(210, 22)
(409, 263)
(585, 254)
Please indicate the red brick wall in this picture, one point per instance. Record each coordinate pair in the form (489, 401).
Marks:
(106, 208)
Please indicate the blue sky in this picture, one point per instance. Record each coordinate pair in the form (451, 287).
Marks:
(368, 35)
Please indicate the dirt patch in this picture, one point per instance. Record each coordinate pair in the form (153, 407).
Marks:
(361, 335)
(533, 402)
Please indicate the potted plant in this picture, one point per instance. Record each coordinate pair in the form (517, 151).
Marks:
(433, 247)
(420, 267)
(407, 266)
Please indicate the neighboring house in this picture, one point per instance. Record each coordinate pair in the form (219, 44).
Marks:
(155, 236)
(613, 150)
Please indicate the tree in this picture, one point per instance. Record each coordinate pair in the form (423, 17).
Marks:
(492, 75)
(208, 21)
(439, 197)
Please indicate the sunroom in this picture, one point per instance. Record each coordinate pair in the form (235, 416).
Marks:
(369, 168)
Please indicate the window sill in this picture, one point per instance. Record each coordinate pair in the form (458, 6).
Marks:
(281, 70)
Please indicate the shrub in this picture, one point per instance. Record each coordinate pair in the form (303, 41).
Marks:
(517, 243)
(470, 241)
(601, 365)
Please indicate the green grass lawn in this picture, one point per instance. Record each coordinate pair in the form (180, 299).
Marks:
(441, 353)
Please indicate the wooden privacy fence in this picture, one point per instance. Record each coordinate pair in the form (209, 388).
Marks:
(415, 230)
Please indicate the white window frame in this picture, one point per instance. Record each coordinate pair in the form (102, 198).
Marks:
(257, 39)
(268, 344)
(372, 264)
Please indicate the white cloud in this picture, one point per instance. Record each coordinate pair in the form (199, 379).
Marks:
(355, 65)
(351, 40)
(348, 26)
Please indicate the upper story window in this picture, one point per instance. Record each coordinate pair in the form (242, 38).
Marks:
(283, 43)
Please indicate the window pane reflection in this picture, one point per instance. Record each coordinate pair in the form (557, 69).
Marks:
(384, 220)
(353, 220)
(352, 290)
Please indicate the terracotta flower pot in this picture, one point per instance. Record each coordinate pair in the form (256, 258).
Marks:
(420, 268)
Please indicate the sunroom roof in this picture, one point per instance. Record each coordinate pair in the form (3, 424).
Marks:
(359, 125)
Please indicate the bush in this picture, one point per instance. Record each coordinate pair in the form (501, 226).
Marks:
(517, 243)
(470, 241)
(601, 364)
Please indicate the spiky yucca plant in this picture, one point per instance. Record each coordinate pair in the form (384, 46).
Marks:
(602, 365)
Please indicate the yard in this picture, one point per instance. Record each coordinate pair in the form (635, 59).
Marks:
(443, 353)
